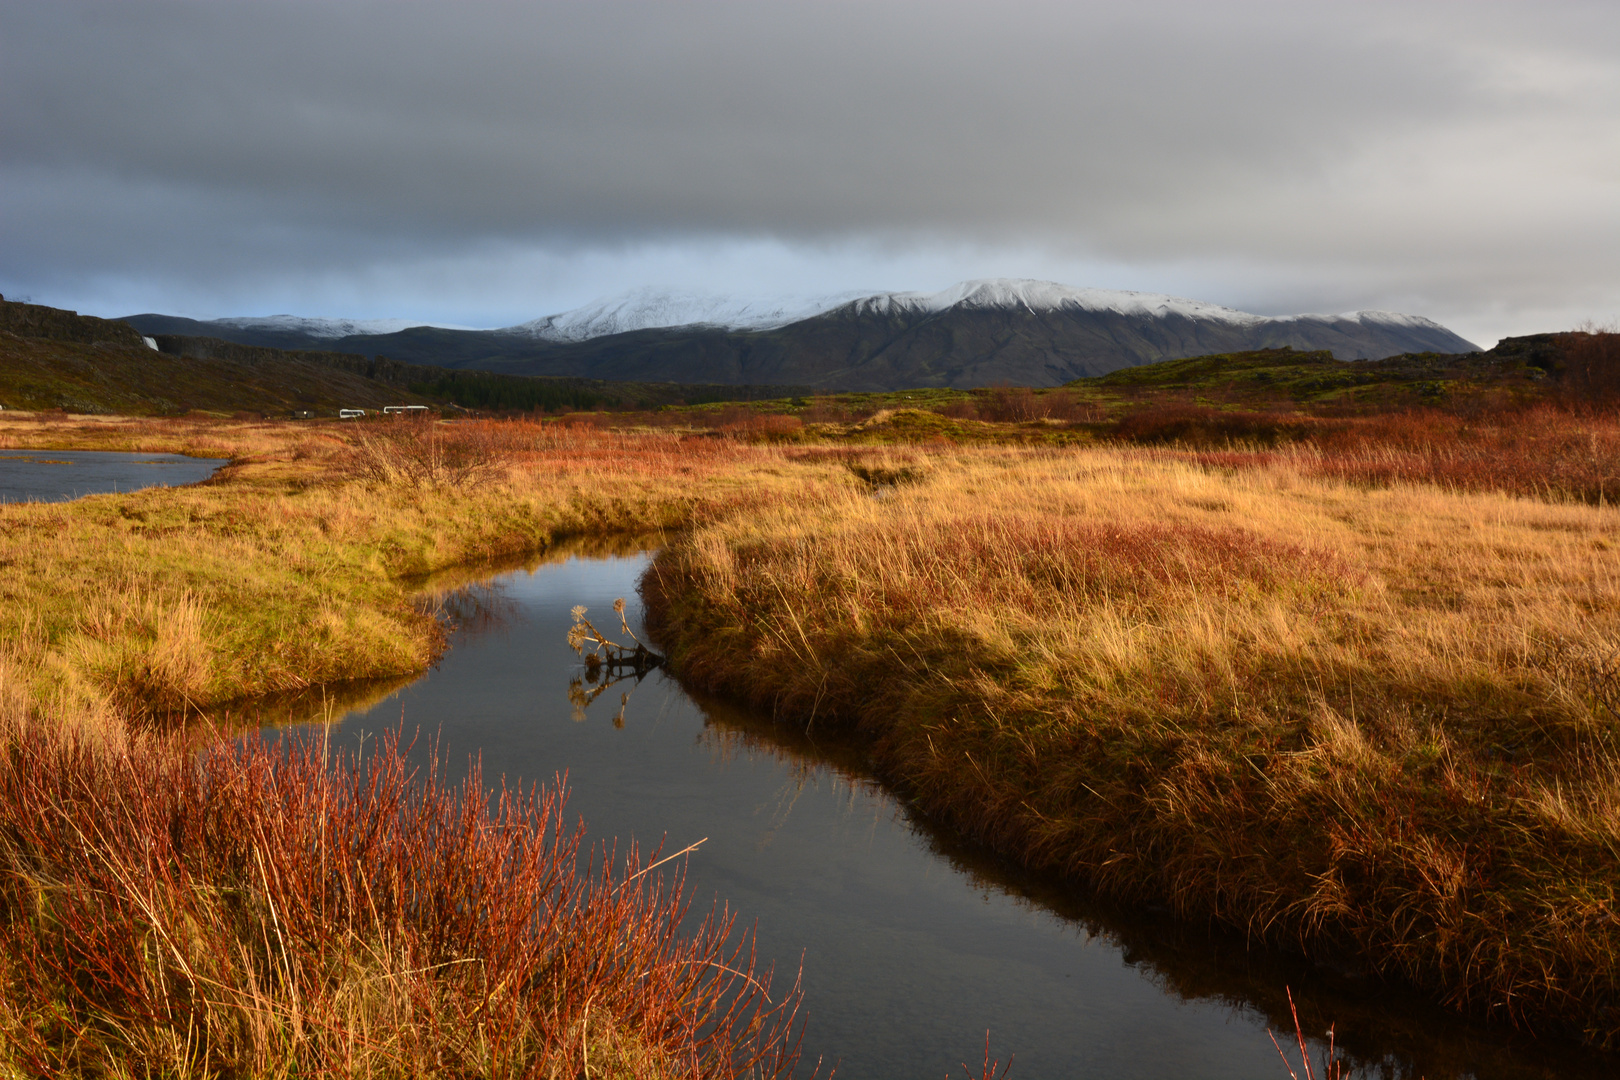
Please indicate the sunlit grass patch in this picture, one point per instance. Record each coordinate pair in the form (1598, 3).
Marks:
(1346, 709)
(1332, 714)
(290, 569)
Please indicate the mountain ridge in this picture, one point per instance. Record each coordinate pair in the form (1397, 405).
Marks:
(976, 333)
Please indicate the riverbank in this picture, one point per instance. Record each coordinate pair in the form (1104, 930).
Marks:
(196, 906)
(1348, 710)
(291, 567)
(1371, 722)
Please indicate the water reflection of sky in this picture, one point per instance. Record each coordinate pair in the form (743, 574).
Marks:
(912, 942)
(59, 475)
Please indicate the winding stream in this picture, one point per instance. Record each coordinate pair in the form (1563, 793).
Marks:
(912, 943)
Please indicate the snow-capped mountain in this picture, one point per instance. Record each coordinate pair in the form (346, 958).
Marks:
(650, 309)
(1030, 295)
(976, 333)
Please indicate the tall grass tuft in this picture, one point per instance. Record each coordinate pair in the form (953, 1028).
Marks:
(425, 452)
(278, 909)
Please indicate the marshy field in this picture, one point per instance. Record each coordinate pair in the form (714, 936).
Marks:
(1343, 681)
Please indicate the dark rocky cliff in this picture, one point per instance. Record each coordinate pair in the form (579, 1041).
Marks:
(57, 324)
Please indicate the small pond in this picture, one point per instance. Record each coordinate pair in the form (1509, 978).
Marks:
(912, 943)
(59, 475)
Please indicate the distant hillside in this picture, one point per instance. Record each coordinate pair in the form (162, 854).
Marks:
(1516, 371)
(51, 358)
(1025, 333)
(1259, 396)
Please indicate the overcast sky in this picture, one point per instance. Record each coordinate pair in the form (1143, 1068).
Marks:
(486, 163)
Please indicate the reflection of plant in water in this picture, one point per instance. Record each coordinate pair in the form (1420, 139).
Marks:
(584, 689)
(607, 662)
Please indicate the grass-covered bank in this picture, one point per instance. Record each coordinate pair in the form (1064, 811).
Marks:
(291, 568)
(1372, 721)
(172, 907)
(1344, 696)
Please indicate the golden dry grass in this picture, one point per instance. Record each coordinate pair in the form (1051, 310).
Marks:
(1366, 719)
(293, 566)
(167, 907)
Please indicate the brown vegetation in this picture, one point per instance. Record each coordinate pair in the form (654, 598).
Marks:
(1541, 452)
(290, 568)
(174, 907)
(1349, 717)
(1591, 375)
(1020, 404)
(1196, 425)
(1346, 681)
(268, 910)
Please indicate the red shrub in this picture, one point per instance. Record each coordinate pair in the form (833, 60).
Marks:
(959, 410)
(1544, 452)
(1198, 425)
(750, 425)
(159, 898)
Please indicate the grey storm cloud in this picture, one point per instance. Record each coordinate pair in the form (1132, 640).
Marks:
(1434, 149)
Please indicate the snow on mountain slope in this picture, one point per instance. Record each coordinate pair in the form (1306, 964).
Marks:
(1366, 318)
(326, 328)
(646, 309)
(994, 293)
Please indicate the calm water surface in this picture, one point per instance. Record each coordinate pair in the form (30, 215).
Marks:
(912, 944)
(59, 475)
